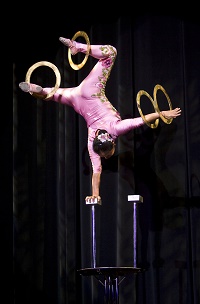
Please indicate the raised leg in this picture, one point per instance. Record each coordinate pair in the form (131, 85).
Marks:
(96, 51)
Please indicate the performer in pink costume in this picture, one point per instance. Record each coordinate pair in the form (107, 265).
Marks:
(89, 100)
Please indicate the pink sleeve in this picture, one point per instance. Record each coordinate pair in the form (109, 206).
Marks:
(126, 125)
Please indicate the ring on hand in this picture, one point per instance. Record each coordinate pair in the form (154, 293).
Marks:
(155, 105)
(56, 71)
(139, 94)
(156, 88)
(80, 65)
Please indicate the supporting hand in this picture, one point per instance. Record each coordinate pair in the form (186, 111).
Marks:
(93, 197)
(93, 200)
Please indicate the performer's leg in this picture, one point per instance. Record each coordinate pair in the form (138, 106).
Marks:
(95, 82)
(30, 87)
(96, 51)
(93, 85)
(61, 95)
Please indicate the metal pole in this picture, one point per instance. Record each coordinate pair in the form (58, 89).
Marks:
(93, 238)
(134, 234)
(92, 202)
(135, 199)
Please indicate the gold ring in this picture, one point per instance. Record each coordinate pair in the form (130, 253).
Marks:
(56, 71)
(155, 105)
(139, 94)
(156, 88)
(80, 65)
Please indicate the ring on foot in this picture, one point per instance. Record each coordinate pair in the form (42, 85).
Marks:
(70, 44)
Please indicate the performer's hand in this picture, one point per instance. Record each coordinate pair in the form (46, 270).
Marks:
(92, 198)
(171, 113)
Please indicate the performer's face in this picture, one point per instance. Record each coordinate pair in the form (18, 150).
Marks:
(107, 154)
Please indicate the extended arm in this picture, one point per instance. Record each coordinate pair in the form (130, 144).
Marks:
(167, 114)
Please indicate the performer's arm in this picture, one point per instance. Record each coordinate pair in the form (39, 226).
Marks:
(167, 114)
(125, 125)
(96, 177)
(96, 170)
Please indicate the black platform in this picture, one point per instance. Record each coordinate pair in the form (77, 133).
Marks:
(111, 279)
(110, 271)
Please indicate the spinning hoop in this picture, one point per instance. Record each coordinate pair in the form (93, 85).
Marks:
(156, 88)
(56, 71)
(155, 105)
(139, 94)
(80, 65)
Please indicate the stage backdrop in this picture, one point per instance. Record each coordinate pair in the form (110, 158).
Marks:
(52, 172)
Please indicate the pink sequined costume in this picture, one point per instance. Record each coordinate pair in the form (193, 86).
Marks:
(89, 100)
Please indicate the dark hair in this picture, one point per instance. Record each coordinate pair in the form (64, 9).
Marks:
(99, 146)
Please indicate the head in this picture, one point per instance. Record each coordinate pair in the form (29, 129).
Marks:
(104, 144)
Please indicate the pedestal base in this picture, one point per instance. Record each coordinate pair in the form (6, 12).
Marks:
(111, 279)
